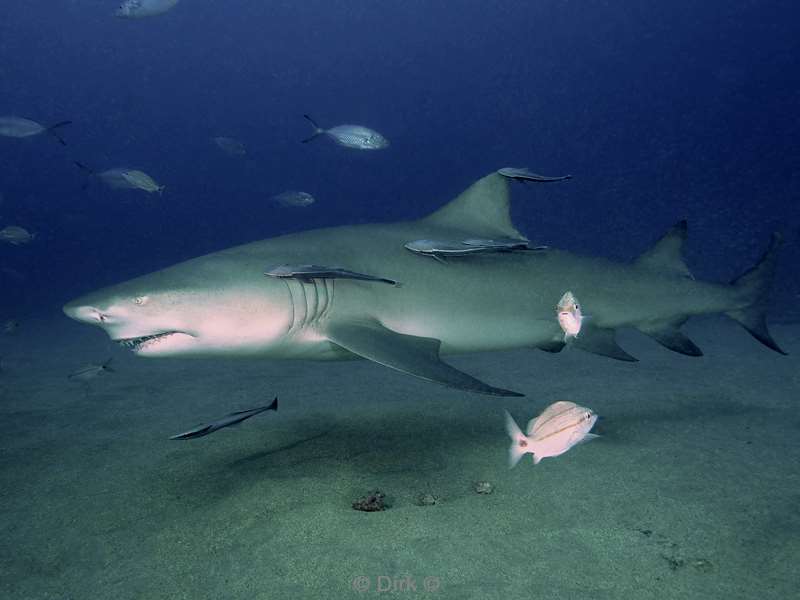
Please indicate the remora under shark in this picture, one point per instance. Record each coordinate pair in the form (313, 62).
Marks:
(222, 304)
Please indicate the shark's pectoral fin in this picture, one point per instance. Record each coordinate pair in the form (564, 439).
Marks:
(598, 340)
(418, 356)
(669, 336)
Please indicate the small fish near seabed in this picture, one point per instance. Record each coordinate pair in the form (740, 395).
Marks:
(357, 137)
(89, 372)
(524, 175)
(230, 146)
(233, 418)
(18, 127)
(293, 199)
(307, 273)
(556, 430)
(139, 9)
(569, 315)
(16, 236)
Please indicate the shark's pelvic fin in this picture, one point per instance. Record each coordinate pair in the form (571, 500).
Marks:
(598, 340)
(418, 356)
(755, 285)
(482, 209)
(670, 336)
(666, 255)
(552, 346)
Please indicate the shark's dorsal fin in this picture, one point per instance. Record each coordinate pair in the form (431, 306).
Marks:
(483, 208)
(666, 255)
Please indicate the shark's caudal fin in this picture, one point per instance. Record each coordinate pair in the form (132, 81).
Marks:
(519, 442)
(418, 356)
(754, 285)
(318, 131)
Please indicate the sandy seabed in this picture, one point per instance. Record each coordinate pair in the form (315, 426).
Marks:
(692, 492)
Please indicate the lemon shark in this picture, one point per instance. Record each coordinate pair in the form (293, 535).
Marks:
(222, 304)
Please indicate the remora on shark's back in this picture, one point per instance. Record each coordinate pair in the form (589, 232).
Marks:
(221, 304)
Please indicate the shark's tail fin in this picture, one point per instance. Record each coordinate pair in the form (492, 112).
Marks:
(754, 286)
(519, 442)
(318, 131)
(52, 131)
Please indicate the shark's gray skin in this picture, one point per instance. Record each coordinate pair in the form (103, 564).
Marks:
(222, 305)
(233, 418)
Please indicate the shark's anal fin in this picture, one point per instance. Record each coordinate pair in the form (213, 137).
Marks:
(669, 336)
(598, 340)
(417, 356)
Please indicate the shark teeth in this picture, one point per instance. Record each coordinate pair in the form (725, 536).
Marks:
(137, 342)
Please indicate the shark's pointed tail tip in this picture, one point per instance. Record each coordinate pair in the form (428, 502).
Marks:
(755, 285)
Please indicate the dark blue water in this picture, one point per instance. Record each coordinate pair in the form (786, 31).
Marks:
(660, 110)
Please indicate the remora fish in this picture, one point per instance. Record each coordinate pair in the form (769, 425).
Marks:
(138, 9)
(523, 175)
(222, 305)
(445, 248)
(16, 235)
(307, 273)
(350, 136)
(556, 430)
(233, 418)
(18, 127)
(90, 371)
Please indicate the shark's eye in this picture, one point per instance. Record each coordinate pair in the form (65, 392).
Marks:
(140, 300)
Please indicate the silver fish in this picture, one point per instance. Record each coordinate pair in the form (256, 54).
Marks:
(308, 272)
(16, 235)
(294, 198)
(90, 371)
(350, 136)
(522, 175)
(138, 9)
(130, 179)
(17, 127)
(230, 145)
(233, 418)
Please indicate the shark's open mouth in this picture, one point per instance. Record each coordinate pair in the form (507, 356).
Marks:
(138, 343)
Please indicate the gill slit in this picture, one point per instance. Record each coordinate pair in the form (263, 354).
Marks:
(310, 300)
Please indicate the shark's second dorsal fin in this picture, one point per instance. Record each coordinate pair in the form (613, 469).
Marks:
(666, 255)
(482, 209)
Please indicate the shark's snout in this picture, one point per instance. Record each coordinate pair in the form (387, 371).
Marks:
(84, 313)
